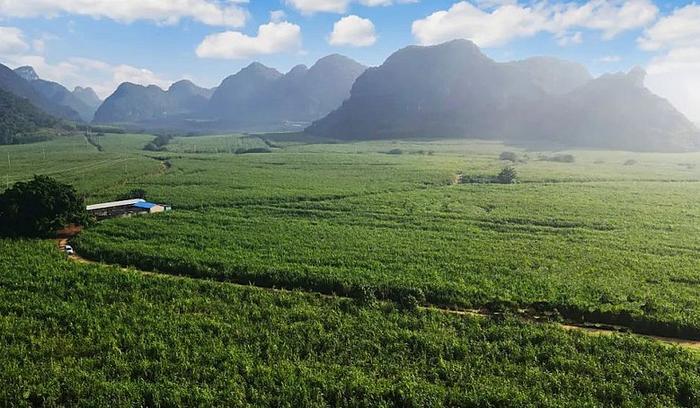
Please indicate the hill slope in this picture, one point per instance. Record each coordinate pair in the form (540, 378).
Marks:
(88, 97)
(132, 103)
(19, 119)
(453, 90)
(255, 98)
(15, 84)
(259, 96)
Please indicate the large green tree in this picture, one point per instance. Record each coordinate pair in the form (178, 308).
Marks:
(40, 207)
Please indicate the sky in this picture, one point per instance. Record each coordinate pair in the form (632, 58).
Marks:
(102, 43)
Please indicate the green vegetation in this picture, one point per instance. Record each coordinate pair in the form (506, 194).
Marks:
(509, 156)
(158, 144)
(507, 176)
(591, 240)
(86, 335)
(21, 122)
(560, 158)
(39, 208)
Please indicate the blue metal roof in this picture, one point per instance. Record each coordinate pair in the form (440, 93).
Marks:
(145, 205)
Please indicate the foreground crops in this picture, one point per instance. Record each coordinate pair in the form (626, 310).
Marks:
(90, 335)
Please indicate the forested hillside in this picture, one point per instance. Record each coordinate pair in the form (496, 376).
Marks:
(20, 120)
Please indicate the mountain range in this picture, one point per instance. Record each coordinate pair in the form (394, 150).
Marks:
(454, 90)
(255, 98)
(81, 101)
(137, 104)
(451, 90)
(13, 83)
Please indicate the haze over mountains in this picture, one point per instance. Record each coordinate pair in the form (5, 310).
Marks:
(450, 90)
(454, 90)
(11, 82)
(137, 104)
(255, 98)
(59, 95)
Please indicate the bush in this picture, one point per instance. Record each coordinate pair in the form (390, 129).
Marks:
(395, 151)
(253, 150)
(508, 156)
(630, 162)
(134, 193)
(365, 296)
(507, 176)
(39, 208)
(158, 144)
(559, 158)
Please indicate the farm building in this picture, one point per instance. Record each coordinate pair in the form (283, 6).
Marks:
(124, 208)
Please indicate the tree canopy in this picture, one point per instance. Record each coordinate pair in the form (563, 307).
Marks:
(40, 207)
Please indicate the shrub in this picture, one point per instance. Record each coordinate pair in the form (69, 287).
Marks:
(395, 151)
(630, 162)
(253, 150)
(559, 158)
(508, 156)
(158, 144)
(507, 176)
(365, 296)
(134, 193)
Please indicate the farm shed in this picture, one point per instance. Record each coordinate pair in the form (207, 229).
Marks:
(124, 208)
(150, 207)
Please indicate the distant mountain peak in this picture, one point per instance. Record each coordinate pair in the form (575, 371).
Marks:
(454, 90)
(336, 60)
(88, 96)
(183, 83)
(637, 75)
(27, 73)
(298, 70)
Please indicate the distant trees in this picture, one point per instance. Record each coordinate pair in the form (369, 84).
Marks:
(508, 156)
(40, 207)
(158, 144)
(507, 176)
(559, 158)
(20, 121)
(134, 193)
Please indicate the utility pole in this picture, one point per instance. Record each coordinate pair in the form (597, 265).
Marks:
(9, 169)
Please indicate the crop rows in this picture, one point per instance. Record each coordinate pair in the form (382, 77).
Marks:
(85, 335)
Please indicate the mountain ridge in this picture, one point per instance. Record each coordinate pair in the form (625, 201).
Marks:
(453, 90)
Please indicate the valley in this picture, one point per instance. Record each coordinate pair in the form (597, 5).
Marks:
(360, 236)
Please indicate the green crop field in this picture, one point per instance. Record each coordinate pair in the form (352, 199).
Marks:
(612, 237)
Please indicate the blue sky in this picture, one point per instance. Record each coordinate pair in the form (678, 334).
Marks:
(101, 43)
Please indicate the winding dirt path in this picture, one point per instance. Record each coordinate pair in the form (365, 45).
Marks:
(591, 329)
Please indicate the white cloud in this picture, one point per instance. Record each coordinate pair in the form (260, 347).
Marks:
(103, 77)
(354, 31)
(609, 59)
(495, 23)
(277, 15)
(676, 77)
(675, 72)
(338, 6)
(680, 29)
(570, 39)
(209, 12)
(12, 41)
(485, 28)
(273, 37)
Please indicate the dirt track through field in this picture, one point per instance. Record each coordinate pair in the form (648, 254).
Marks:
(588, 328)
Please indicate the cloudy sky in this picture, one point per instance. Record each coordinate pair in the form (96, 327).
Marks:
(101, 43)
